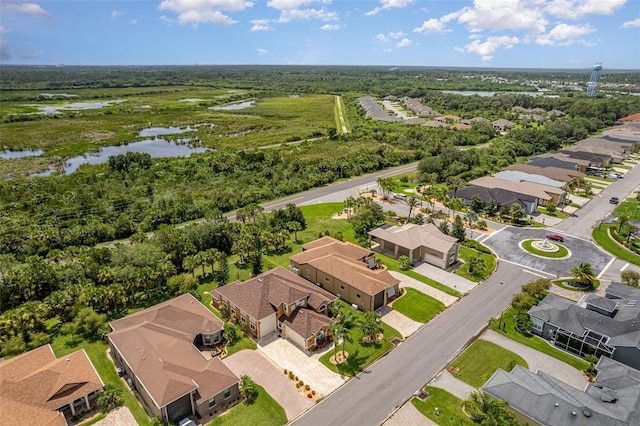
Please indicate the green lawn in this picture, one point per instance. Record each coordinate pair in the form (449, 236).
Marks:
(97, 352)
(557, 213)
(629, 207)
(601, 237)
(449, 406)
(418, 306)
(244, 343)
(561, 253)
(535, 342)
(360, 354)
(489, 264)
(394, 265)
(594, 285)
(481, 359)
(262, 411)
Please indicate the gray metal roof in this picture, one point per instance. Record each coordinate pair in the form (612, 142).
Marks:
(518, 176)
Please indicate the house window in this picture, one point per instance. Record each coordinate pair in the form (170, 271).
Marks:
(252, 326)
(358, 296)
(341, 287)
(233, 311)
(308, 273)
(207, 339)
(286, 308)
(212, 403)
(326, 279)
(224, 305)
(243, 319)
(227, 393)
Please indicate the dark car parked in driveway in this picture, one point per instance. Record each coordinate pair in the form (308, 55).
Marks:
(614, 200)
(555, 237)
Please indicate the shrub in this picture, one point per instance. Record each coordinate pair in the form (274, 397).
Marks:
(482, 225)
(291, 376)
(301, 383)
(307, 387)
(309, 395)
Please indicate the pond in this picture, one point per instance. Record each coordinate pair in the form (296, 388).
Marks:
(157, 148)
(76, 106)
(159, 131)
(7, 154)
(235, 105)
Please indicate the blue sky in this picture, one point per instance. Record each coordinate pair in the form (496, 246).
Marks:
(461, 33)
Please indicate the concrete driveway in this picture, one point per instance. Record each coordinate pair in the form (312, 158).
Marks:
(271, 378)
(449, 279)
(307, 367)
(406, 281)
(506, 244)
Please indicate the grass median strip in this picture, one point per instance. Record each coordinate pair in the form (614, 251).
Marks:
(418, 306)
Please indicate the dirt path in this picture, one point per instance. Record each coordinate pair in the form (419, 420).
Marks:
(343, 124)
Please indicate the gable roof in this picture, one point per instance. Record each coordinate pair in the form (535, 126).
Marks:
(537, 190)
(306, 322)
(260, 296)
(413, 236)
(502, 197)
(633, 118)
(38, 383)
(552, 402)
(346, 262)
(519, 176)
(158, 346)
(555, 173)
(549, 160)
(503, 123)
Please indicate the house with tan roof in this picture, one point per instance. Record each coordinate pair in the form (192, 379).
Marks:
(346, 270)
(543, 193)
(159, 349)
(424, 243)
(278, 301)
(556, 173)
(502, 124)
(38, 388)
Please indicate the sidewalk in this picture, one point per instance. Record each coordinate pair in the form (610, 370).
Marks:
(456, 387)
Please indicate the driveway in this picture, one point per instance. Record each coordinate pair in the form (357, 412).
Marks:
(271, 378)
(406, 281)
(506, 244)
(308, 368)
(538, 360)
(449, 279)
(120, 416)
(405, 325)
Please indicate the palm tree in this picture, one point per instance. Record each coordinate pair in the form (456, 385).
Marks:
(349, 203)
(475, 263)
(623, 220)
(455, 184)
(189, 264)
(583, 274)
(412, 202)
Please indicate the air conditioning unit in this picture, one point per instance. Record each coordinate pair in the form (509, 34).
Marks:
(354, 306)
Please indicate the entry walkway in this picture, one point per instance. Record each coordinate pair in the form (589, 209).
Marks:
(451, 384)
(307, 367)
(405, 325)
(271, 378)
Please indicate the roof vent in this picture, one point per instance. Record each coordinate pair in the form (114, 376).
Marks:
(587, 413)
(66, 359)
(573, 413)
(259, 280)
(557, 405)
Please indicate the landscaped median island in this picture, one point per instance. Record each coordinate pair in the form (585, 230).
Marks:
(602, 235)
(544, 248)
(479, 261)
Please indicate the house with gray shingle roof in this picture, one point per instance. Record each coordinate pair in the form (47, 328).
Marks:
(424, 243)
(503, 124)
(502, 197)
(280, 301)
(346, 270)
(550, 160)
(612, 400)
(543, 193)
(608, 325)
(518, 176)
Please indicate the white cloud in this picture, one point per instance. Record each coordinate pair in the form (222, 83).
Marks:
(260, 25)
(293, 4)
(330, 27)
(263, 52)
(404, 43)
(133, 21)
(487, 48)
(398, 34)
(575, 9)
(494, 15)
(564, 34)
(205, 11)
(631, 24)
(289, 15)
(389, 4)
(28, 8)
(432, 26)
(381, 38)
(116, 13)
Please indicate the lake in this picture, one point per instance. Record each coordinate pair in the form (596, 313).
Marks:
(76, 106)
(157, 148)
(235, 105)
(7, 154)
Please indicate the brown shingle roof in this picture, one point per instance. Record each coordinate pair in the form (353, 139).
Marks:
(336, 246)
(260, 296)
(306, 322)
(413, 236)
(633, 118)
(157, 344)
(38, 383)
(529, 188)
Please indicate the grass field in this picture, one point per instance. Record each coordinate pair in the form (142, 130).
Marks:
(418, 306)
(535, 342)
(449, 406)
(262, 411)
(360, 354)
(489, 264)
(481, 359)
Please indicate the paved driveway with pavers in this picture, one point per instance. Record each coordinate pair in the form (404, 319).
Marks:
(405, 325)
(406, 281)
(271, 378)
(307, 368)
(538, 360)
(506, 244)
(449, 279)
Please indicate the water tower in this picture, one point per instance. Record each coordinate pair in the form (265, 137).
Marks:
(592, 86)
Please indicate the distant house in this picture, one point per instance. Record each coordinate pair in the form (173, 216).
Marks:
(424, 243)
(612, 400)
(346, 270)
(435, 123)
(595, 159)
(555, 113)
(159, 349)
(608, 326)
(555, 173)
(544, 193)
(39, 388)
(502, 197)
(550, 160)
(629, 131)
(460, 126)
(518, 176)
(633, 118)
(278, 300)
(451, 118)
(623, 147)
(470, 121)
(502, 124)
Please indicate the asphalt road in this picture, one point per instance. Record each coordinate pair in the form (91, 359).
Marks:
(374, 394)
(598, 208)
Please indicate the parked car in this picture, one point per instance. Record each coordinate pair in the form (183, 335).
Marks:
(614, 200)
(555, 237)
